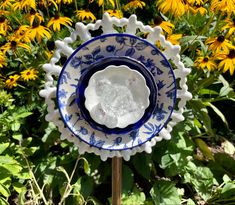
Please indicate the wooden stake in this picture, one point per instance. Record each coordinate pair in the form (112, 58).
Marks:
(116, 180)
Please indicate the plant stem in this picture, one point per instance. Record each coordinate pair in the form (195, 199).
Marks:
(35, 181)
(68, 186)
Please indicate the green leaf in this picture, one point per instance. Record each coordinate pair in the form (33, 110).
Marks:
(23, 115)
(15, 126)
(136, 197)
(176, 155)
(201, 179)
(25, 142)
(87, 186)
(187, 61)
(190, 202)
(204, 148)
(7, 160)
(4, 190)
(226, 89)
(5, 173)
(228, 190)
(19, 188)
(14, 169)
(3, 201)
(226, 178)
(86, 165)
(205, 91)
(142, 163)
(127, 179)
(17, 136)
(3, 147)
(165, 192)
(225, 161)
(77, 197)
(30, 151)
(205, 82)
(218, 112)
(201, 113)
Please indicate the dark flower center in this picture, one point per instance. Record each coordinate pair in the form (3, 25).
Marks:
(158, 20)
(32, 12)
(231, 54)
(28, 73)
(57, 16)
(233, 21)
(206, 59)
(35, 24)
(220, 38)
(13, 44)
(2, 19)
(12, 79)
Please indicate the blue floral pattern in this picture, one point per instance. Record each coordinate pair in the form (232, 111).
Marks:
(111, 45)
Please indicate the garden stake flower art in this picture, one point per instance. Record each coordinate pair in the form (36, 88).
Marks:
(117, 94)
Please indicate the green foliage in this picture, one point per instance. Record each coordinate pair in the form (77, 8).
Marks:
(165, 192)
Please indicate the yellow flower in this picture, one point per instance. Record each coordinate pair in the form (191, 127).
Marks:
(85, 15)
(4, 27)
(198, 9)
(174, 38)
(48, 54)
(38, 32)
(24, 4)
(12, 81)
(101, 2)
(227, 61)
(166, 26)
(219, 44)
(33, 15)
(56, 21)
(14, 45)
(116, 13)
(64, 1)
(205, 62)
(175, 7)
(46, 3)
(134, 4)
(22, 34)
(227, 6)
(4, 13)
(29, 74)
(195, 2)
(5, 4)
(3, 60)
(230, 26)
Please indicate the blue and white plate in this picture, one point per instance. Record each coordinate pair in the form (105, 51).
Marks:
(113, 46)
(101, 65)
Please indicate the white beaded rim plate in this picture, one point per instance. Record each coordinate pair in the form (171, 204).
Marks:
(113, 45)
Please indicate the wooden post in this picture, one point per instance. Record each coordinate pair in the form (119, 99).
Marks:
(116, 180)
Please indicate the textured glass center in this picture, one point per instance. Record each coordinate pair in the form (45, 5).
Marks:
(117, 100)
(117, 96)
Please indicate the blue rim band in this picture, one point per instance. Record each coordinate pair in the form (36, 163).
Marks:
(102, 64)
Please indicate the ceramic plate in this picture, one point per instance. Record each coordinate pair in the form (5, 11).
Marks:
(135, 66)
(108, 46)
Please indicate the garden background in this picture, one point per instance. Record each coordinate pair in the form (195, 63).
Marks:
(197, 166)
